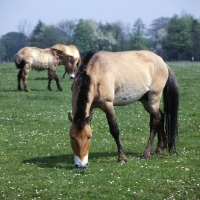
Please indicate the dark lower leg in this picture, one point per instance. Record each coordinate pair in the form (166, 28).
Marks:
(24, 78)
(49, 84)
(115, 133)
(58, 83)
(153, 127)
(64, 74)
(19, 77)
(161, 135)
(49, 80)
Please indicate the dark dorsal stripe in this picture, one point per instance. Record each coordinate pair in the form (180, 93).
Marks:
(83, 82)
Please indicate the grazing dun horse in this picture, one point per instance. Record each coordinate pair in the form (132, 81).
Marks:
(107, 79)
(41, 59)
(72, 51)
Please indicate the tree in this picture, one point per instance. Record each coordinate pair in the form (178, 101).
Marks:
(156, 32)
(66, 29)
(13, 42)
(195, 37)
(102, 39)
(122, 36)
(2, 52)
(138, 39)
(24, 27)
(177, 42)
(36, 32)
(119, 33)
(48, 36)
(83, 34)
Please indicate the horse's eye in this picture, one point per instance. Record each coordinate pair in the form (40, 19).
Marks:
(72, 139)
(89, 138)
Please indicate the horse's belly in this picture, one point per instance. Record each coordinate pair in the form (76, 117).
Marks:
(41, 64)
(124, 96)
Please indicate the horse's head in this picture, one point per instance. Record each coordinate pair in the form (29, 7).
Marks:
(80, 139)
(70, 66)
(69, 61)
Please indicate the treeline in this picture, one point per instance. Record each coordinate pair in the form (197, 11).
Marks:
(176, 38)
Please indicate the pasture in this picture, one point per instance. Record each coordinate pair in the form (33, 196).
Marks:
(36, 160)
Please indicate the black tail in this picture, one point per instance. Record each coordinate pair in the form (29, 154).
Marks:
(171, 106)
(19, 62)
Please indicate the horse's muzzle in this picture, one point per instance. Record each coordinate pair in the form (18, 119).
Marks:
(71, 76)
(81, 166)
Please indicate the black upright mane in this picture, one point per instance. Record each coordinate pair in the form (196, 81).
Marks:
(83, 80)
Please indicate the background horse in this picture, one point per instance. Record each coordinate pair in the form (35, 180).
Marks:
(41, 59)
(107, 79)
(72, 51)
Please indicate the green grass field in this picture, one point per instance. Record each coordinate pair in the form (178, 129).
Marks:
(36, 160)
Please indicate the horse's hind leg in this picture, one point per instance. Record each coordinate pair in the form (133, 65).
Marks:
(110, 114)
(24, 77)
(153, 128)
(152, 107)
(161, 135)
(19, 77)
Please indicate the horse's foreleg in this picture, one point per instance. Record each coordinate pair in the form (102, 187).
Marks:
(110, 114)
(19, 77)
(49, 80)
(52, 75)
(154, 120)
(64, 73)
(58, 83)
(161, 135)
(24, 78)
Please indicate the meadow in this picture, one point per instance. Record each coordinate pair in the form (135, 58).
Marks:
(36, 160)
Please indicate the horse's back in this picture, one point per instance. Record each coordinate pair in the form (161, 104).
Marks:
(69, 50)
(128, 64)
(124, 77)
(39, 59)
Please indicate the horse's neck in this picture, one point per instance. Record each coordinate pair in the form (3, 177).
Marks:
(60, 61)
(85, 113)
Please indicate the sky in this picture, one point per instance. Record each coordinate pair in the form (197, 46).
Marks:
(12, 12)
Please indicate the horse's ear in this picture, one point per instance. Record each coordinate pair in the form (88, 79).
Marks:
(70, 117)
(90, 118)
(71, 58)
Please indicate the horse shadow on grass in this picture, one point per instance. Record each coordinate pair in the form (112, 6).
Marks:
(65, 161)
(41, 78)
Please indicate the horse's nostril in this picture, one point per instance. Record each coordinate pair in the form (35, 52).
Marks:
(77, 166)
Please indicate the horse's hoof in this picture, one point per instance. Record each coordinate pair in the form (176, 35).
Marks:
(121, 162)
(173, 153)
(122, 159)
(60, 89)
(27, 90)
(145, 156)
(49, 89)
(159, 152)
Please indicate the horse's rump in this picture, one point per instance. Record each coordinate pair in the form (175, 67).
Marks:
(19, 62)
